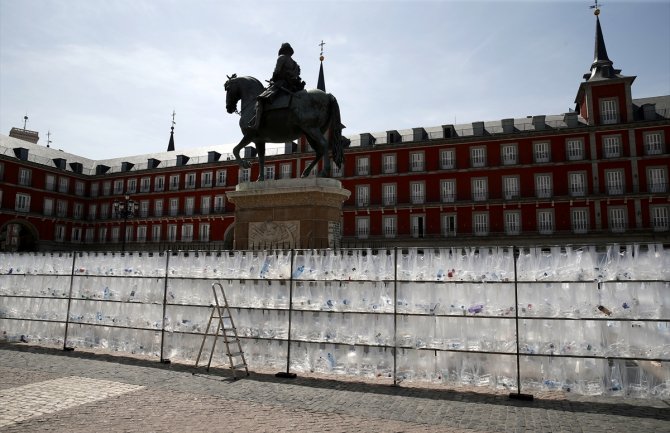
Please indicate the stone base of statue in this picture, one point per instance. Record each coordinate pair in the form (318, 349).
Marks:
(288, 213)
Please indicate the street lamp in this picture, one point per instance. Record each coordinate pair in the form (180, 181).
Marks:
(125, 209)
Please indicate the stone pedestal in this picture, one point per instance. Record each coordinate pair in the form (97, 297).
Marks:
(288, 213)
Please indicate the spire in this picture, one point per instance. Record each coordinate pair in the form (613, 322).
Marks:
(602, 67)
(171, 143)
(321, 83)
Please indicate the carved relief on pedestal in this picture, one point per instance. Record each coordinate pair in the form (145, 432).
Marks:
(274, 233)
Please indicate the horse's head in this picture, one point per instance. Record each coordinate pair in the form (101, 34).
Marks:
(232, 93)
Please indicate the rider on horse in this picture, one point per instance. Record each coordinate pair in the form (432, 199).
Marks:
(286, 77)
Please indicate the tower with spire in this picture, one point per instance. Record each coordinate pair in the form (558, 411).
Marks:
(605, 95)
(171, 142)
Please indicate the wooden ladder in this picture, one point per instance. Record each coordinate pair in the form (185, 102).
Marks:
(225, 328)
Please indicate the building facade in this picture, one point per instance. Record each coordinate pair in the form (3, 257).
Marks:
(595, 175)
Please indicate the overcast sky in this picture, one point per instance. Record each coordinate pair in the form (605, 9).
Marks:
(103, 76)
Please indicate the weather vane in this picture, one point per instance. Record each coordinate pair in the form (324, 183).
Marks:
(48, 138)
(25, 120)
(321, 45)
(173, 122)
(595, 6)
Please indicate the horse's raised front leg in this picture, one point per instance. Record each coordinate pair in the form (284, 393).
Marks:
(260, 148)
(236, 151)
(320, 146)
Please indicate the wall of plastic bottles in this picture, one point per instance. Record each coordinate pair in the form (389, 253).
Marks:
(590, 320)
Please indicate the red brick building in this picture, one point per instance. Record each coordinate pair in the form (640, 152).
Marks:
(598, 174)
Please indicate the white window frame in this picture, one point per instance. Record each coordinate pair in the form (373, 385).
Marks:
(205, 204)
(79, 187)
(447, 159)
(612, 146)
(362, 195)
(653, 142)
(244, 175)
(203, 232)
(480, 223)
(542, 152)
(102, 234)
(509, 154)
(118, 186)
(657, 179)
(95, 189)
(25, 176)
(59, 235)
(449, 225)
(75, 236)
(575, 149)
(89, 235)
(362, 227)
(48, 206)
(615, 182)
(417, 192)
(92, 211)
(104, 211)
(221, 177)
(159, 183)
(116, 231)
(22, 202)
(189, 180)
(158, 207)
(390, 224)
(417, 161)
(219, 203)
(609, 111)
(269, 172)
(78, 211)
(389, 194)
(448, 190)
(545, 221)
(660, 220)
(206, 179)
(107, 188)
(187, 232)
(189, 206)
(478, 156)
(156, 233)
(389, 165)
(286, 170)
(577, 183)
(511, 187)
(417, 223)
(174, 182)
(480, 188)
(141, 234)
(144, 208)
(363, 166)
(61, 208)
(174, 206)
(617, 219)
(543, 185)
(145, 184)
(132, 186)
(512, 221)
(172, 232)
(63, 184)
(579, 220)
(49, 182)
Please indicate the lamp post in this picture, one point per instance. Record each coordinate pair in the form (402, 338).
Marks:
(125, 209)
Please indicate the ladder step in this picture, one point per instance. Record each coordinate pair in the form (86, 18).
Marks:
(235, 367)
(236, 354)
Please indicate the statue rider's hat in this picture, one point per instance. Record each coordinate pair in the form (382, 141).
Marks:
(285, 49)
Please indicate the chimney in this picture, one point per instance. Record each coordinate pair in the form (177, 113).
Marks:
(570, 119)
(420, 134)
(182, 160)
(152, 163)
(478, 128)
(59, 163)
(507, 125)
(367, 139)
(393, 137)
(538, 122)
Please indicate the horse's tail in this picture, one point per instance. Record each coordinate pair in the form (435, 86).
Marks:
(335, 127)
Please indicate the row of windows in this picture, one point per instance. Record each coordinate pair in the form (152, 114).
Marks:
(545, 225)
(134, 234)
(509, 154)
(512, 189)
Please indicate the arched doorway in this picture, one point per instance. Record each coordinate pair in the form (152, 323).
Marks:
(18, 236)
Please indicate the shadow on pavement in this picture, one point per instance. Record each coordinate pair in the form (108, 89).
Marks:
(637, 408)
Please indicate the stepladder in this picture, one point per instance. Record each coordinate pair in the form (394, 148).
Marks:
(221, 320)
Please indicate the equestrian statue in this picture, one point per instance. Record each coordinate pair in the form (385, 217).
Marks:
(285, 111)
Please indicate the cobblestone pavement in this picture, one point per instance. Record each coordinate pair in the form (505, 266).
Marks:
(45, 389)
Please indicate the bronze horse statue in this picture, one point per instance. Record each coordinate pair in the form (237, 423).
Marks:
(308, 112)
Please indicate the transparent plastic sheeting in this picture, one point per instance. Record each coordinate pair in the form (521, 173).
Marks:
(592, 321)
